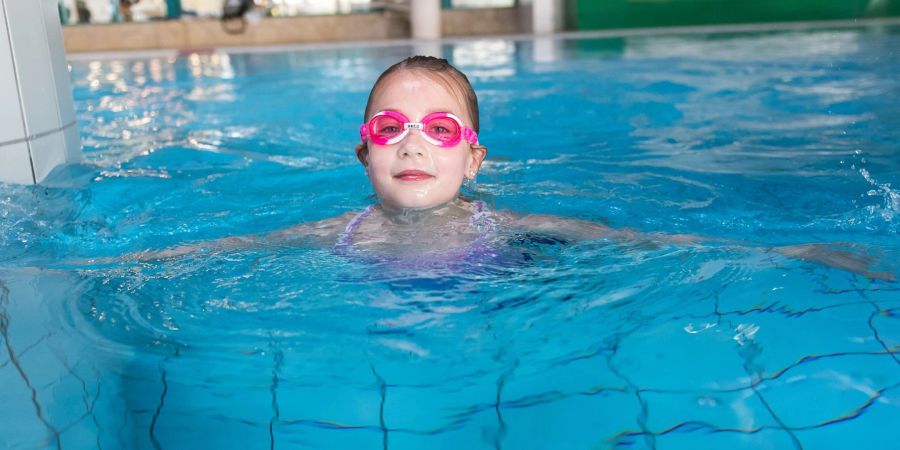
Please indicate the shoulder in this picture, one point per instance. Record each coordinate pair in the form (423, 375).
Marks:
(504, 218)
(555, 225)
(331, 227)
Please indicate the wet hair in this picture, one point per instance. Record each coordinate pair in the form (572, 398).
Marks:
(438, 69)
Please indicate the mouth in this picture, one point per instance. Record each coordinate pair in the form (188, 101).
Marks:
(413, 175)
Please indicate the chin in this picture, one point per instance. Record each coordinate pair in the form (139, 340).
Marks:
(414, 203)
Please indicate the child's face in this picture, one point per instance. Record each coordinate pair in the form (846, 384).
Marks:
(414, 173)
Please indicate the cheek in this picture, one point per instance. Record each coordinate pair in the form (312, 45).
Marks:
(378, 160)
(453, 161)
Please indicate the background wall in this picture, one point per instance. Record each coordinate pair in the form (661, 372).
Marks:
(209, 33)
(602, 14)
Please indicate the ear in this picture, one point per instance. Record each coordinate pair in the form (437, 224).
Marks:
(476, 157)
(362, 154)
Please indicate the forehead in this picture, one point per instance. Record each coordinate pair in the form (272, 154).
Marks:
(416, 93)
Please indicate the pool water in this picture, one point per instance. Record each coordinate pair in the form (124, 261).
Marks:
(769, 138)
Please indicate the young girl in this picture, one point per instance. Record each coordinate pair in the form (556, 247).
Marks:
(419, 143)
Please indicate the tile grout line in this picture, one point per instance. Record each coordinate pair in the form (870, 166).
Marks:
(36, 136)
(50, 58)
(13, 358)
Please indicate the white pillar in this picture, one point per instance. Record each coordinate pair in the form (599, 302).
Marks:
(546, 48)
(546, 16)
(425, 19)
(428, 48)
(37, 116)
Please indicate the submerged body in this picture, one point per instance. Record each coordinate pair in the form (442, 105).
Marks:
(459, 232)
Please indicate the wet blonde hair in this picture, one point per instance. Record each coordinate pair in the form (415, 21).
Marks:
(440, 70)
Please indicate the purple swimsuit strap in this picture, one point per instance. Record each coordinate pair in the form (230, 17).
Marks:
(481, 219)
(346, 239)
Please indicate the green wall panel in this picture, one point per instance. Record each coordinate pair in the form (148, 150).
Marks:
(601, 14)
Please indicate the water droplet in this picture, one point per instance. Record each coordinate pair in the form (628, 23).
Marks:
(694, 329)
(745, 332)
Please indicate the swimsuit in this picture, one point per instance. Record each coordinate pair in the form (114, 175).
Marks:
(490, 253)
(474, 252)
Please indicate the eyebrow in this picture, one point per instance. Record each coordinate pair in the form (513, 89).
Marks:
(433, 110)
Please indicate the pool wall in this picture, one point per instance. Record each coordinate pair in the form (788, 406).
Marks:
(37, 115)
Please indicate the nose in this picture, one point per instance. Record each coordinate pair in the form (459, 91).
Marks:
(413, 145)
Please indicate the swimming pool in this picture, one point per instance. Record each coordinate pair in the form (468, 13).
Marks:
(772, 138)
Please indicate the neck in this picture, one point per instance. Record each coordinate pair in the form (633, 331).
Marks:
(419, 215)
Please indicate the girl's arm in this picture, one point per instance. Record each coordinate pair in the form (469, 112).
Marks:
(586, 230)
(325, 230)
(827, 254)
(856, 261)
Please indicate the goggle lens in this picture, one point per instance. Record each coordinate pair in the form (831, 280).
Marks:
(443, 129)
(385, 128)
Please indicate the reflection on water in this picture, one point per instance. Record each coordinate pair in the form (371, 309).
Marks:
(759, 47)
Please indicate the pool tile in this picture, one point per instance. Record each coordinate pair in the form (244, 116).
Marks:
(579, 422)
(309, 436)
(880, 292)
(21, 427)
(705, 412)
(60, 67)
(48, 152)
(668, 356)
(33, 67)
(887, 323)
(430, 408)
(209, 429)
(189, 408)
(12, 126)
(72, 138)
(767, 439)
(586, 376)
(337, 405)
(786, 293)
(481, 430)
(840, 385)
(836, 330)
(870, 430)
(15, 163)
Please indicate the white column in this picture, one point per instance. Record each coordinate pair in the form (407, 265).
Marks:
(546, 16)
(431, 47)
(546, 48)
(425, 19)
(37, 116)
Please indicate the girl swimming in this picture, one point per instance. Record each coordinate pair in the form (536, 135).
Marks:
(418, 145)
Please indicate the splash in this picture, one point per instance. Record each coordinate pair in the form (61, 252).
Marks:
(891, 196)
(874, 215)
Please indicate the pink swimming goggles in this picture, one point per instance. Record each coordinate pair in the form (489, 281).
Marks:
(440, 128)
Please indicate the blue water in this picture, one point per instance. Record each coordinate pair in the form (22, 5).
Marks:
(769, 139)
